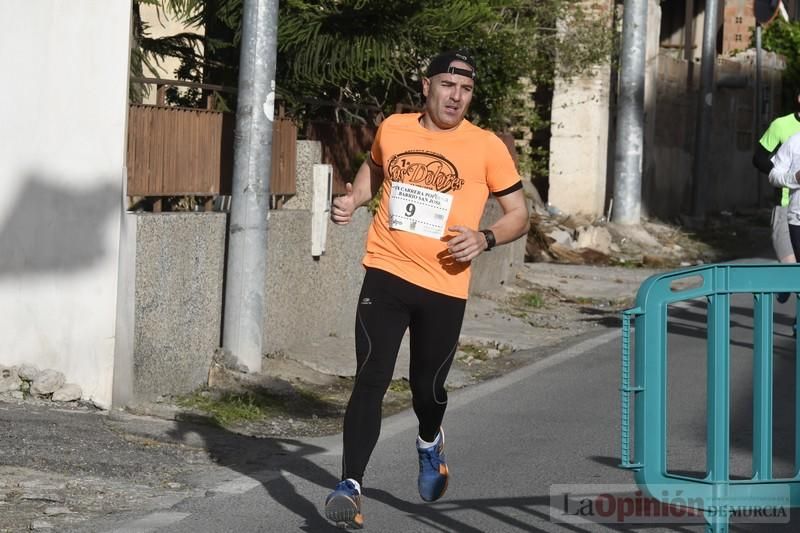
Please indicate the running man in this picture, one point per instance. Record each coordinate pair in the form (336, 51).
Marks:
(435, 171)
(778, 133)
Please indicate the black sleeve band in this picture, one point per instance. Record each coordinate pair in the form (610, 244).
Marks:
(761, 159)
(517, 186)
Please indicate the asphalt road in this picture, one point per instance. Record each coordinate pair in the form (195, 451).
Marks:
(510, 442)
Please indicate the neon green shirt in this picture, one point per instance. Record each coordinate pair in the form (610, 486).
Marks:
(778, 133)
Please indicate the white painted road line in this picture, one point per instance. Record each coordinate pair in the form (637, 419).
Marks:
(150, 522)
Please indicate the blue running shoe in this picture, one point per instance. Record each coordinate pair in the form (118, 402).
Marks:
(343, 506)
(433, 473)
(783, 297)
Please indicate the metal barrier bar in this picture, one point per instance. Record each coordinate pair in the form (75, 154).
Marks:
(626, 389)
(762, 386)
(718, 377)
(797, 390)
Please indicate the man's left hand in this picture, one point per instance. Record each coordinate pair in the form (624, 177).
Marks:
(467, 244)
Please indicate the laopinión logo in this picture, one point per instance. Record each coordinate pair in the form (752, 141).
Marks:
(425, 169)
(627, 504)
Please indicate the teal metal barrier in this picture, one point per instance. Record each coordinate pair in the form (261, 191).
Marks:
(646, 387)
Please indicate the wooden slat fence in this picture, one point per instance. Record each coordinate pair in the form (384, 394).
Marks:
(283, 180)
(177, 151)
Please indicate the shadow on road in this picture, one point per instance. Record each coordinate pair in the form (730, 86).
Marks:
(264, 460)
(268, 461)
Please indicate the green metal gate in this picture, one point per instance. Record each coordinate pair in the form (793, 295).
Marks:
(644, 388)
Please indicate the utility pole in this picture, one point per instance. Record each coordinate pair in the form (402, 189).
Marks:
(705, 101)
(688, 43)
(757, 107)
(244, 313)
(630, 116)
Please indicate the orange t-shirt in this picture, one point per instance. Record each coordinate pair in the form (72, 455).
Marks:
(462, 166)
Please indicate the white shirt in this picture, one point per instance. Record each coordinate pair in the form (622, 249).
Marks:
(786, 163)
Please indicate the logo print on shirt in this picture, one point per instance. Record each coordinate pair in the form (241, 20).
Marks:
(425, 169)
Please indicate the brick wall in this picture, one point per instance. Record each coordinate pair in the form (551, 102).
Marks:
(738, 23)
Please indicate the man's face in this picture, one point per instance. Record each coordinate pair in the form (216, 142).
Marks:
(447, 97)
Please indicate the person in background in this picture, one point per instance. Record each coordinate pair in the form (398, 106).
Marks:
(785, 173)
(778, 132)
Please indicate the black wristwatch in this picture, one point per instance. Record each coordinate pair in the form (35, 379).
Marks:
(490, 240)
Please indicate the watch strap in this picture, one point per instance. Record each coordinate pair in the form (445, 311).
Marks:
(491, 242)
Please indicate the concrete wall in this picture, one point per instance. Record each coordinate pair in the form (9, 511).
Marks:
(582, 145)
(180, 258)
(62, 155)
(578, 145)
(308, 298)
(309, 153)
(730, 180)
(492, 270)
(179, 277)
(579, 138)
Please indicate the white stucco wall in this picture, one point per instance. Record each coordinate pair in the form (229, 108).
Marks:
(62, 156)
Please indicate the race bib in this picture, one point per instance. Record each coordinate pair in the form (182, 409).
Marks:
(418, 210)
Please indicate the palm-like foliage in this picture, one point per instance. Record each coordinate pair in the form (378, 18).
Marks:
(340, 42)
(366, 52)
(148, 52)
(350, 60)
(370, 53)
(784, 38)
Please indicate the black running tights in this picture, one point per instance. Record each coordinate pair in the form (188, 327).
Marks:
(794, 236)
(387, 306)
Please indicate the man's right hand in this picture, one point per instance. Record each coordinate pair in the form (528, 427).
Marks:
(344, 206)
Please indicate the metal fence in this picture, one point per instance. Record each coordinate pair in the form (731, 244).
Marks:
(644, 386)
